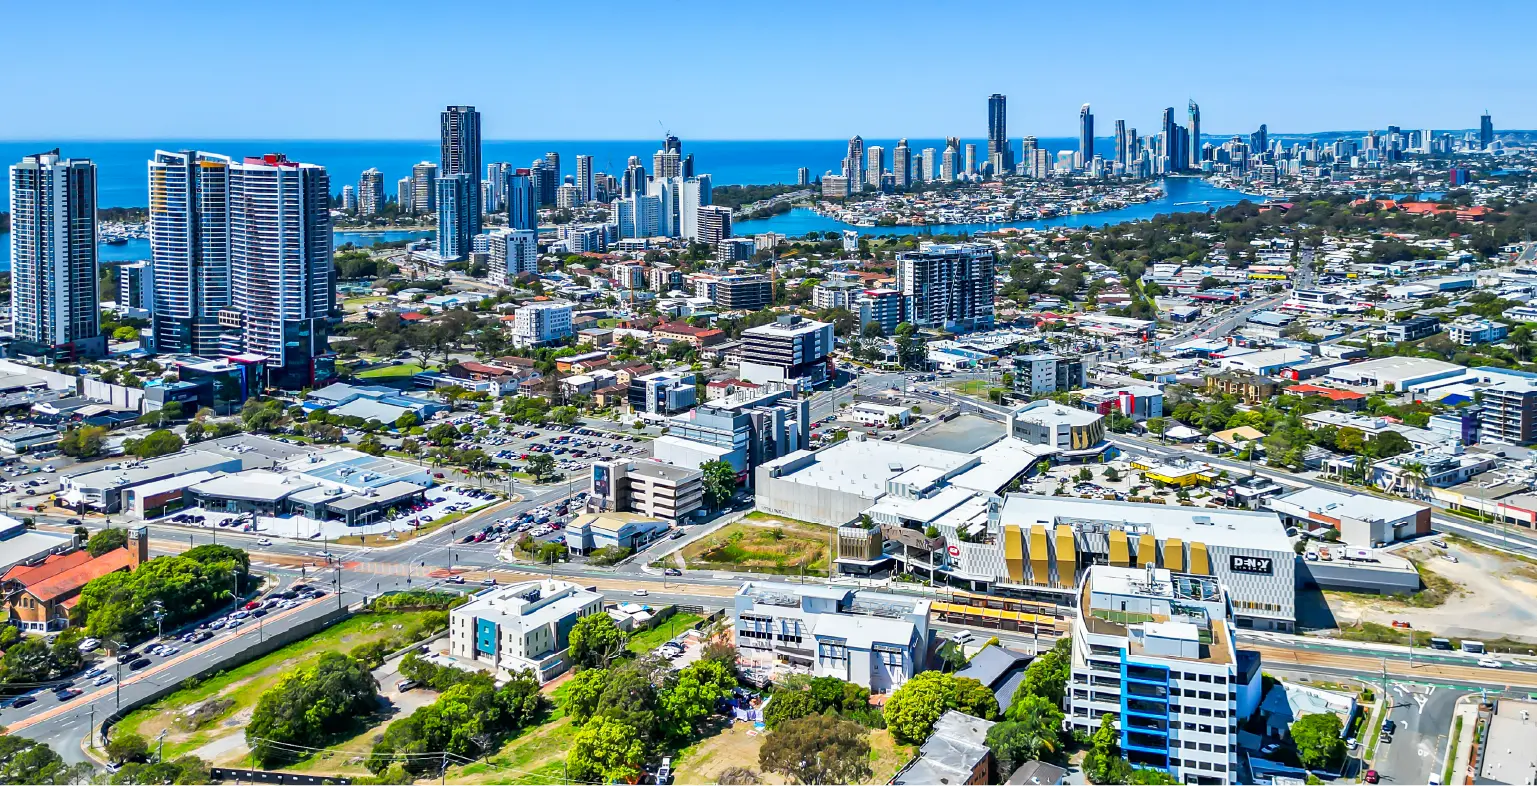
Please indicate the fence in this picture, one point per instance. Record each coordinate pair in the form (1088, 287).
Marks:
(263, 776)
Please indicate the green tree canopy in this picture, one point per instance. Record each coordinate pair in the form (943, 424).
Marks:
(817, 749)
(310, 704)
(606, 750)
(1317, 737)
(106, 540)
(596, 641)
(719, 482)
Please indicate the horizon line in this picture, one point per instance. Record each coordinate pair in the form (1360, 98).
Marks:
(433, 140)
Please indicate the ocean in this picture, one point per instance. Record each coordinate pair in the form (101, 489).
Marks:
(121, 173)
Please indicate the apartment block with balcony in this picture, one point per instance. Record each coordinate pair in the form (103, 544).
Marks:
(1249, 388)
(1155, 649)
(1508, 412)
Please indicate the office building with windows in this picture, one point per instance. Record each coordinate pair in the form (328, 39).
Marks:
(662, 393)
(872, 639)
(189, 239)
(280, 264)
(790, 349)
(646, 488)
(714, 224)
(948, 285)
(1037, 374)
(521, 627)
(744, 292)
(1156, 649)
(53, 257)
(902, 165)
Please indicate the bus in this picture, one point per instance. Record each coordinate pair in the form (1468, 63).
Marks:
(1440, 644)
(1475, 647)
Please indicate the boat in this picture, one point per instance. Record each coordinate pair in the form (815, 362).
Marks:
(115, 241)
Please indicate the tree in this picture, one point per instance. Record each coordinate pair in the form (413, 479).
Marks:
(157, 443)
(583, 692)
(126, 746)
(1047, 676)
(1317, 738)
(83, 441)
(596, 641)
(914, 708)
(28, 761)
(606, 750)
(106, 540)
(975, 699)
(739, 776)
(912, 349)
(565, 416)
(788, 705)
(407, 421)
(699, 689)
(719, 482)
(541, 466)
(311, 703)
(1032, 731)
(817, 749)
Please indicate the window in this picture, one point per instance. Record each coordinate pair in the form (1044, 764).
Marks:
(1204, 729)
(1189, 727)
(1189, 694)
(1205, 694)
(1189, 675)
(1205, 712)
(1219, 748)
(1189, 745)
(1205, 747)
(1205, 678)
(891, 658)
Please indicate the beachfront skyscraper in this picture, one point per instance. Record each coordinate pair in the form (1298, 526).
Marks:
(584, 181)
(460, 143)
(189, 240)
(1485, 130)
(998, 130)
(424, 187)
(405, 193)
(1085, 137)
(280, 267)
(902, 164)
(1259, 141)
(854, 164)
(53, 257)
(1193, 159)
(1120, 142)
(875, 166)
(522, 200)
(370, 192)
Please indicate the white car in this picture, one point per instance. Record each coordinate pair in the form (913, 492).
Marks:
(1489, 663)
(264, 542)
(640, 593)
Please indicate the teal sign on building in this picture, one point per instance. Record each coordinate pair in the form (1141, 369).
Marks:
(485, 636)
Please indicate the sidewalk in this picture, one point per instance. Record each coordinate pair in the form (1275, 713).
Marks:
(1460, 742)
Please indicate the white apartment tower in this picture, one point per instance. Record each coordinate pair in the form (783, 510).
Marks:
(189, 238)
(371, 192)
(280, 265)
(541, 323)
(424, 177)
(53, 256)
(514, 252)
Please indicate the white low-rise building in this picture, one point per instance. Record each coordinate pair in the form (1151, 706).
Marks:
(875, 640)
(521, 627)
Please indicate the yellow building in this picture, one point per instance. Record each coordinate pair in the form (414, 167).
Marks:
(1177, 476)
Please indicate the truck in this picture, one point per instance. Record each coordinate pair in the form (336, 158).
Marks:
(1474, 647)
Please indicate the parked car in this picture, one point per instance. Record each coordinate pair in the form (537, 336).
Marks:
(138, 663)
(405, 685)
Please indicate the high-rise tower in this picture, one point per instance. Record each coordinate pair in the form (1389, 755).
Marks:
(461, 155)
(189, 243)
(53, 257)
(998, 129)
(1485, 130)
(280, 265)
(1085, 136)
(1193, 160)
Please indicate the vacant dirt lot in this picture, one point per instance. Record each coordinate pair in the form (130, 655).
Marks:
(761, 543)
(1495, 596)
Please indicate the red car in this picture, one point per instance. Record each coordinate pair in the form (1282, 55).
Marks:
(1371, 776)
(253, 604)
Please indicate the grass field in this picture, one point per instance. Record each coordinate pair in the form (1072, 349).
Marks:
(392, 372)
(762, 543)
(704, 761)
(971, 387)
(224, 702)
(649, 640)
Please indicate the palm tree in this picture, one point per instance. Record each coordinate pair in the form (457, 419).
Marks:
(1414, 474)
(1360, 468)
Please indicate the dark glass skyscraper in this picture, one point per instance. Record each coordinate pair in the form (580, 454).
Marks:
(1193, 160)
(1085, 136)
(1485, 130)
(998, 129)
(461, 155)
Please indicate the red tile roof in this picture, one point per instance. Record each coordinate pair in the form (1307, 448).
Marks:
(1329, 393)
(69, 581)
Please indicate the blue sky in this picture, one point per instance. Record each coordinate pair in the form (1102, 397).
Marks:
(328, 69)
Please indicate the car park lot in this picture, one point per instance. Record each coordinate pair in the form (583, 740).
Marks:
(441, 501)
(574, 448)
(544, 523)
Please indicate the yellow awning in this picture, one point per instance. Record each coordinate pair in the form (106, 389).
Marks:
(1120, 553)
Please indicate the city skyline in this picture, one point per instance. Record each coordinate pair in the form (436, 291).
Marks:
(237, 91)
